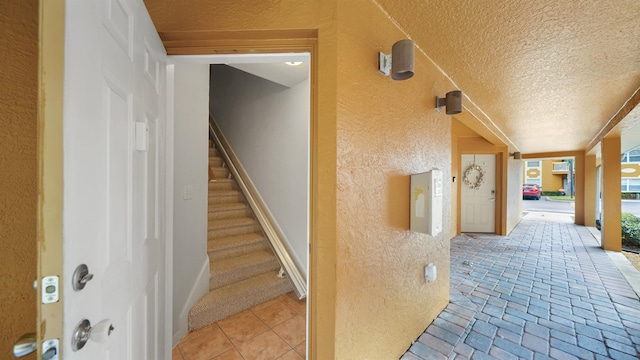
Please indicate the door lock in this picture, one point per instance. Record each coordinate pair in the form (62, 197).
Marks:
(81, 277)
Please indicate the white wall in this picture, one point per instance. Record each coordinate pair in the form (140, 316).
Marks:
(191, 136)
(267, 125)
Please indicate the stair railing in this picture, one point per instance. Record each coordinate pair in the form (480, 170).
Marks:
(264, 217)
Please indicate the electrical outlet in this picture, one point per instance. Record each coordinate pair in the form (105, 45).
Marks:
(187, 193)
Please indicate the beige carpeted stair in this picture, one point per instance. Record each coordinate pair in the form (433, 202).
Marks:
(243, 268)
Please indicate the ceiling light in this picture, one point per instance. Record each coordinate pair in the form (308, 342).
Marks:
(293, 63)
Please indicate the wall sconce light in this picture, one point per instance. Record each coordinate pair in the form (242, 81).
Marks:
(516, 155)
(453, 102)
(400, 63)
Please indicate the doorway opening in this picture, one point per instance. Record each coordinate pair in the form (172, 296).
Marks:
(261, 103)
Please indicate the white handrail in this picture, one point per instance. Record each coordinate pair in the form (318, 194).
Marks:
(264, 217)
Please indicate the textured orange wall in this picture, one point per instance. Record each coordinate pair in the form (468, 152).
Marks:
(611, 195)
(371, 133)
(590, 196)
(18, 178)
(550, 181)
(387, 130)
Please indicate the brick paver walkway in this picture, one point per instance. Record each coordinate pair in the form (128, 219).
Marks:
(545, 291)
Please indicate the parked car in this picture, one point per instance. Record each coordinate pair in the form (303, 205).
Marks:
(531, 191)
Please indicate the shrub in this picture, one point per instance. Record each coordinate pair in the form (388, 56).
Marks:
(630, 229)
(552, 193)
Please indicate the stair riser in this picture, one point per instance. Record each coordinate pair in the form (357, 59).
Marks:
(229, 214)
(225, 199)
(220, 173)
(215, 162)
(220, 279)
(219, 309)
(216, 234)
(213, 152)
(236, 251)
(221, 185)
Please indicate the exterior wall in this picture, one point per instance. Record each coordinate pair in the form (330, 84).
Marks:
(611, 196)
(550, 181)
(385, 133)
(590, 193)
(514, 193)
(18, 178)
(532, 174)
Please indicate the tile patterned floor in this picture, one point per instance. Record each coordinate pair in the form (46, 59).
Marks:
(269, 331)
(546, 291)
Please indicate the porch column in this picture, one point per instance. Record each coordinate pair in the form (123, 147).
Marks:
(580, 188)
(590, 196)
(611, 199)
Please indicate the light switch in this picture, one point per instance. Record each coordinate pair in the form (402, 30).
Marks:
(187, 193)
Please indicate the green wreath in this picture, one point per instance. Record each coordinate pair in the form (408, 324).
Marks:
(474, 177)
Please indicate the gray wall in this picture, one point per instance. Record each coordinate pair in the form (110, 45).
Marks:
(191, 136)
(267, 125)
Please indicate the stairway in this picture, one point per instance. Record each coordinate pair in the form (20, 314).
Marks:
(243, 268)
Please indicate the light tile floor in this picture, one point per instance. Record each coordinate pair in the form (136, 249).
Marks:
(269, 331)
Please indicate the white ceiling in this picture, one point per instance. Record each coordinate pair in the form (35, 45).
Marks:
(281, 73)
(271, 67)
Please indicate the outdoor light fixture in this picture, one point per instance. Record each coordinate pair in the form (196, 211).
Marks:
(400, 63)
(516, 155)
(453, 102)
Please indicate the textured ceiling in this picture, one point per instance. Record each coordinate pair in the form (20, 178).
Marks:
(550, 74)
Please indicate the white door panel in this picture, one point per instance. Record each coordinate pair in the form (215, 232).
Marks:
(478, 205)
(114, 194)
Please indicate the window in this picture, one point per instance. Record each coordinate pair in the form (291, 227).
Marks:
(630, 185)
(631, 156)
(535, 163)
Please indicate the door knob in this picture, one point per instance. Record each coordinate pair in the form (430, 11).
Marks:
(84, 331)
(27, 344)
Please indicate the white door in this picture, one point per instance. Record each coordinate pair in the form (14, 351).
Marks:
(114, 179)
(478, 194)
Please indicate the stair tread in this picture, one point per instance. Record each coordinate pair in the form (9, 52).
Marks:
(227, 206)
(243, 268)
(222, 180)
(252, 259)
(234, 241)
(224, 192)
